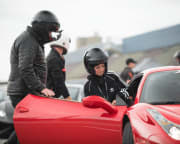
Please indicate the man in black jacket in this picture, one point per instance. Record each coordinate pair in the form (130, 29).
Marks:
(127, 74)
(56, 67)
(177, 57)
(28, 66)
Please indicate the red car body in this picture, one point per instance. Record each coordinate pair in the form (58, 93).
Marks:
(40, 120)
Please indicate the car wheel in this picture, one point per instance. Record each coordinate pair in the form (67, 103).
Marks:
(127, 134)
(5, 130)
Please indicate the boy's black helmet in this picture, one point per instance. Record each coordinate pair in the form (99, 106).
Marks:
(93, 57)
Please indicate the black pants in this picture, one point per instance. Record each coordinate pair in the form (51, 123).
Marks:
(15, 100)
(12, 139)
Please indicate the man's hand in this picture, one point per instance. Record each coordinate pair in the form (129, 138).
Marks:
(130, 97)
(68, 98)
(48, 92)
(128, 81)
(114, 102)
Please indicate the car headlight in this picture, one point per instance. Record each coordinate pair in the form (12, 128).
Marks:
(2, 114)
(175, 133)
(172, 129)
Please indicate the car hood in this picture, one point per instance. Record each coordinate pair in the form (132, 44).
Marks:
(171, 112)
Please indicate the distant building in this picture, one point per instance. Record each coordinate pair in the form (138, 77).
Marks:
(85, 41)
(162, 38)
(77, 55)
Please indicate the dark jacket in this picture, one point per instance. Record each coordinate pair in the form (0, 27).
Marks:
(56, 74)
(28, 67)
(107, 86)
(127, 74)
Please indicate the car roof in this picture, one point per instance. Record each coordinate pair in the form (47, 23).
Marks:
(77, 81)
(74, 85)
(158, 69)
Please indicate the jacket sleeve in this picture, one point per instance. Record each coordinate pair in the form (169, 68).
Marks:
(91, 89)
(27, 53)
(119, 81)
(121, 88)
(86, 89)
(58, 79)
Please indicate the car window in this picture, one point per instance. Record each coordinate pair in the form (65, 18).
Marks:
(134, 84)
(74, 92)
(162, 88)
(3, 92)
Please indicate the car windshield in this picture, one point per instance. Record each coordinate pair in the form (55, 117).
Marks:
(162, 88)
(3, 93)
(73, 91)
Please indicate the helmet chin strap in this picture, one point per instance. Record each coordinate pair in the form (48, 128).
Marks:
(59, 50)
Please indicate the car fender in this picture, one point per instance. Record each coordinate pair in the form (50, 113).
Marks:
(6, 112)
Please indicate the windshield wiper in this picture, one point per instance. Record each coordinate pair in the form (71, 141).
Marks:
(164, 103)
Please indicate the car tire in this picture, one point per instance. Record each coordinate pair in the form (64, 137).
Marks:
(5, 130)
(127, 134)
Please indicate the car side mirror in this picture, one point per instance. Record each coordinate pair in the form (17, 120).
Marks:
(99, 102)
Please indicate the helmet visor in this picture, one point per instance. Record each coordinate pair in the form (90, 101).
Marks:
(56, 35)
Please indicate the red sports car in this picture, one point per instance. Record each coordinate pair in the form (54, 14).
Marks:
(153, 118)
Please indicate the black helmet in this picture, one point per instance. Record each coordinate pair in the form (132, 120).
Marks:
(93, 57)
(45, 23)
(45, 16)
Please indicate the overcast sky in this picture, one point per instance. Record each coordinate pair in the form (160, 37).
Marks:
(110, 18)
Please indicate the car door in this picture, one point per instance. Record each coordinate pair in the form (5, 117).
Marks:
(134, 86)
(40, 120)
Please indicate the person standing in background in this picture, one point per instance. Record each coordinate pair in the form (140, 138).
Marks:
(127, 74)
(56, 67)
(177, 57)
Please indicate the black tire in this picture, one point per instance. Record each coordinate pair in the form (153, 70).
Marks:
(5, 130)
(127, 134)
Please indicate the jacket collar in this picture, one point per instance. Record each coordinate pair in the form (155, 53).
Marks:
(54, 52)
(36, 36)
(98, 79)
